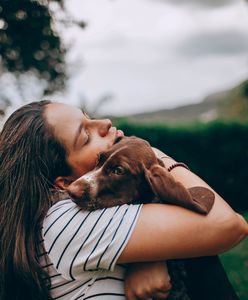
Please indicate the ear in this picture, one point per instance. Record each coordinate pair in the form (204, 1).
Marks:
(198, 199)
(63, 182)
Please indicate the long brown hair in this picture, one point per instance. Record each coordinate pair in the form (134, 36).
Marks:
(30, 160)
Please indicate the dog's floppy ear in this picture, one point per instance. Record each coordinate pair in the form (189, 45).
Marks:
(164, 186)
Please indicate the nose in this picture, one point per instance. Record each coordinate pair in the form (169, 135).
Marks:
(103, 126)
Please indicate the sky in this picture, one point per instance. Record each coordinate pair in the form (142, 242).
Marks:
(146, 55)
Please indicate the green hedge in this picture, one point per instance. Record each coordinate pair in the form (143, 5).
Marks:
(235, 263)
(218, 152)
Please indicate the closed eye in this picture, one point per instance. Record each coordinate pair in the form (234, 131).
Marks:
(87, 137)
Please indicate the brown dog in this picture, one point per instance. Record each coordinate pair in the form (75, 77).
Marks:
(129, 172)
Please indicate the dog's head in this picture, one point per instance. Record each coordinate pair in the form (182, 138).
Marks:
(118, 178)
(129, 172)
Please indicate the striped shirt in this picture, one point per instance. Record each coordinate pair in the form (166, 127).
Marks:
(80, 249)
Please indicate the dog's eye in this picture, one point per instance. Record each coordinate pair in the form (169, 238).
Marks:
(119, 170)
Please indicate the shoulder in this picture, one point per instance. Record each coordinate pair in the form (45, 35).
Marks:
(94, 239)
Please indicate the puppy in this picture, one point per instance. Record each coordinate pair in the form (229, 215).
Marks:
(130, 172)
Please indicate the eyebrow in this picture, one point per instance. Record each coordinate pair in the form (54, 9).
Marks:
(80, 127)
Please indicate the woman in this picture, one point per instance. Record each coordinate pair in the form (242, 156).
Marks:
(76, 254)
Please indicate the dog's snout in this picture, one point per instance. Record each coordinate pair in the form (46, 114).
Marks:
(89, 177)
(78, 188)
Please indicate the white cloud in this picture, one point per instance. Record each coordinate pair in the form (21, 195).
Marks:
(215, 43)
(130, 49)
(201, 3)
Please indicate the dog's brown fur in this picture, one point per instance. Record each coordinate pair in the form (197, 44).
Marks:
(129, 172)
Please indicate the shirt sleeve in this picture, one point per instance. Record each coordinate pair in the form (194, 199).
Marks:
(77, 240)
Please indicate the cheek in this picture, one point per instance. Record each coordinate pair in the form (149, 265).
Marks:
(101, 144)
(83, 163)
(84, 160)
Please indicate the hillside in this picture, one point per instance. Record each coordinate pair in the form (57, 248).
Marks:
(230, 105)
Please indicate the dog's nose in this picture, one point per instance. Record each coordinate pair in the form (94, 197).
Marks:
(78, 189)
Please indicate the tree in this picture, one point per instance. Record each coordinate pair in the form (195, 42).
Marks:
(31, 49)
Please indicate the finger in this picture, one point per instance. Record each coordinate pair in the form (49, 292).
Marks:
(165, 286)
(130, 295)
(165, 289)
(161, 295)
(144, 296)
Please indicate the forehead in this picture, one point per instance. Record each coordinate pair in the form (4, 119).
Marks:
(58, 113)
(63, 118)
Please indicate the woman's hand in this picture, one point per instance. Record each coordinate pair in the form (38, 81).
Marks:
(149, 280)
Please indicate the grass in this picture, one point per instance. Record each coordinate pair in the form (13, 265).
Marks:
(235, 262)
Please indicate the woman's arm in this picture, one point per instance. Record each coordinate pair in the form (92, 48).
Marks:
(167, 231)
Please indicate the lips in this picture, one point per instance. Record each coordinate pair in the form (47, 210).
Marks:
(119, 133)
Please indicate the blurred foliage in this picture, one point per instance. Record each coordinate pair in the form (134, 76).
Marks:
(235, 262)
(234, 105)
(245, 89)
(217, 151)
(30, 43)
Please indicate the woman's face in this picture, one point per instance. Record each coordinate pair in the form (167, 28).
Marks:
(83, 138)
